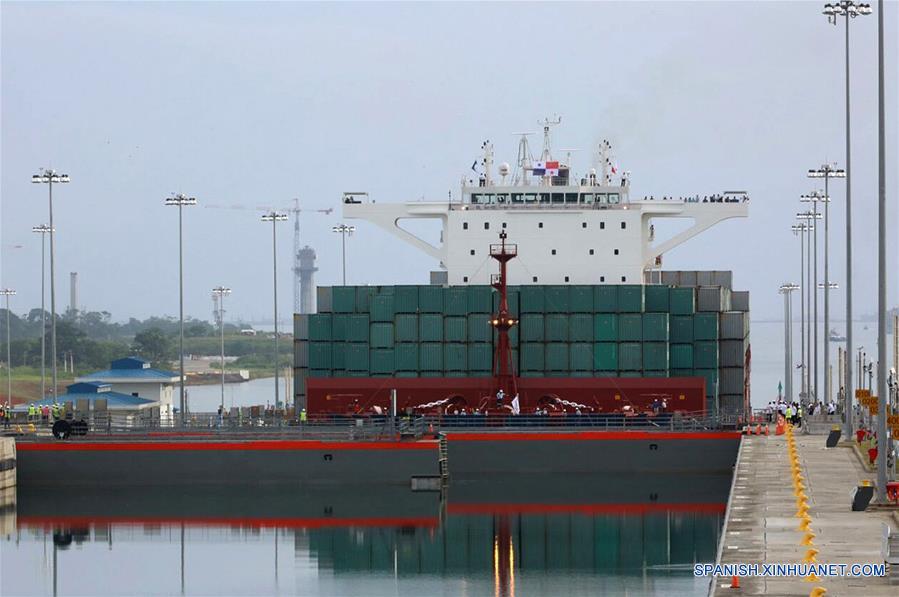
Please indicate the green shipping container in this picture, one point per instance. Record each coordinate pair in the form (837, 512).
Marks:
(319, 373)
(430, 299)
(338, 327)
(556, 329)
(480, 356)
(382, 307)
(680, 356)
(605, 327)
(532, 357)
(455, 301)
(320, 327)
(479, 328)
(532, 299)
(682, 300)
(430, 373)
(655, 356)
(381, 335)
(430, 328)
(581, 327)
(630, 327)
(406, 374)
(711, 380)
(532, 327)
(655, 327)
(657, 298)
(533, 374)
(558, 299)
(605, 299)
(320, 355)
(705, 326)
(630, 356)
(454, 329)
(383, 361)
(363, 298)
(605, 374)
(356, 357)
(680, 328)
(581, 299)
(682, 373)
(356, 374)
(651, 373)
(581, 356)
(405, 299)
(406, 328)
(343, 299)
(630, 298)
(557, 357)
(705, 354)
(357, 328)
(338, 355)
(454, 358)
(406, 356)
(480, 299)
(605, 357)
(630, 374)
(430, 356)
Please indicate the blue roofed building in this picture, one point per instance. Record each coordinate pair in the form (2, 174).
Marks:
(133, 376)
(93, 391)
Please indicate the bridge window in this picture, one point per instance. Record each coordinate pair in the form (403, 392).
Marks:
(558, 197)
(502, 198)
(587, 197)
(570, 197)
(516, 197)
(475, 198)
(613, 198)
(530, 197)
(600, 198)
(544, 197)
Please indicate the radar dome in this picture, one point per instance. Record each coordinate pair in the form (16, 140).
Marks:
(504, 169)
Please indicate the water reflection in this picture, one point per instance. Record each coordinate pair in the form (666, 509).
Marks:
(505, 537)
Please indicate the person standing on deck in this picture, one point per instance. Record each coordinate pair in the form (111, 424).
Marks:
(499, 398)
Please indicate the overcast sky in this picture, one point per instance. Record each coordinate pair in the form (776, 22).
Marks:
(255, 104)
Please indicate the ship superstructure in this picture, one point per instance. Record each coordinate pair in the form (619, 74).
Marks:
(570, 229)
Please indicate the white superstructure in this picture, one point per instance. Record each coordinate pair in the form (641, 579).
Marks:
(568, 230)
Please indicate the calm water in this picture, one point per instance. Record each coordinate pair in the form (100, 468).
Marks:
(550, 537)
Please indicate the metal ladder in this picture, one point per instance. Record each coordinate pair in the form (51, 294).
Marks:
(443, 460)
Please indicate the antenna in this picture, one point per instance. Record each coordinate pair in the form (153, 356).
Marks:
(523, 162)
(547, 148)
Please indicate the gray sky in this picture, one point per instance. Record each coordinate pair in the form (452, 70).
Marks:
(255, 104)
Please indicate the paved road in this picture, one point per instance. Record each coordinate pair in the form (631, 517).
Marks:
(762, 527)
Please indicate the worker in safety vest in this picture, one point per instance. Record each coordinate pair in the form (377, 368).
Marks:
(789, 414)
(303, 415)
(799, 415)
(55, 411)
(32, 412)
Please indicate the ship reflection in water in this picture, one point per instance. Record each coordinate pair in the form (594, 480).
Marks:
(505, 537)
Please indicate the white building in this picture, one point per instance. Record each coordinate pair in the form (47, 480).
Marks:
(135, 377)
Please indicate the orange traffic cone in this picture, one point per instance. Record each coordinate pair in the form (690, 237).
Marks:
(735, 582)
(808, 539)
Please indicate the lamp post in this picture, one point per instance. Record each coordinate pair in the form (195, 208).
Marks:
(827, 287)
(881, 267)
(849, 10)
(801, 230)
(274, 217)
(43, 230)
(827, 171)
(812, 300)
(178, 200)
(343, 230)
(51, 177)
(8, 292)
(787, 291)
(221, 292)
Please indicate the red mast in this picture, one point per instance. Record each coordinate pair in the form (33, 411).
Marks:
(503, 368)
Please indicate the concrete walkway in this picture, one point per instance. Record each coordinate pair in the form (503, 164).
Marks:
(762, 527)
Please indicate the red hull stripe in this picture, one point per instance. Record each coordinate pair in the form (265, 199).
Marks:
(592, 436)
(200, 446)
(297, 523)
(582, 508)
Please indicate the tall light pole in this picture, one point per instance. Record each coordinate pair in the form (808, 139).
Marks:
(801, 230)
(51, 177)
(43, 230)
(178, 200)
(826, 171)
(827, 382)
(849, 10)
(882, 269)
(274, 217)
(787, 291)
(812, 300)
(343, 230)
(221, 292)
(8, 292)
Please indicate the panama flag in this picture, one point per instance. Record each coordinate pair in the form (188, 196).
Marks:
(546, 168)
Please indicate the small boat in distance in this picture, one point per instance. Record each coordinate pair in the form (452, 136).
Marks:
(835, 336)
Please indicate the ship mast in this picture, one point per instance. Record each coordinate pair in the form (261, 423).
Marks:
(502, 322)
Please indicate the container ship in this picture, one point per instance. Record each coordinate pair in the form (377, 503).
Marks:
(597, 325)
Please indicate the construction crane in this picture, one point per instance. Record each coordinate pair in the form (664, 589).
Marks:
(297, 248)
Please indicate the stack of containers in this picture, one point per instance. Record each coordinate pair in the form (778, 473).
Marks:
(563, 331)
